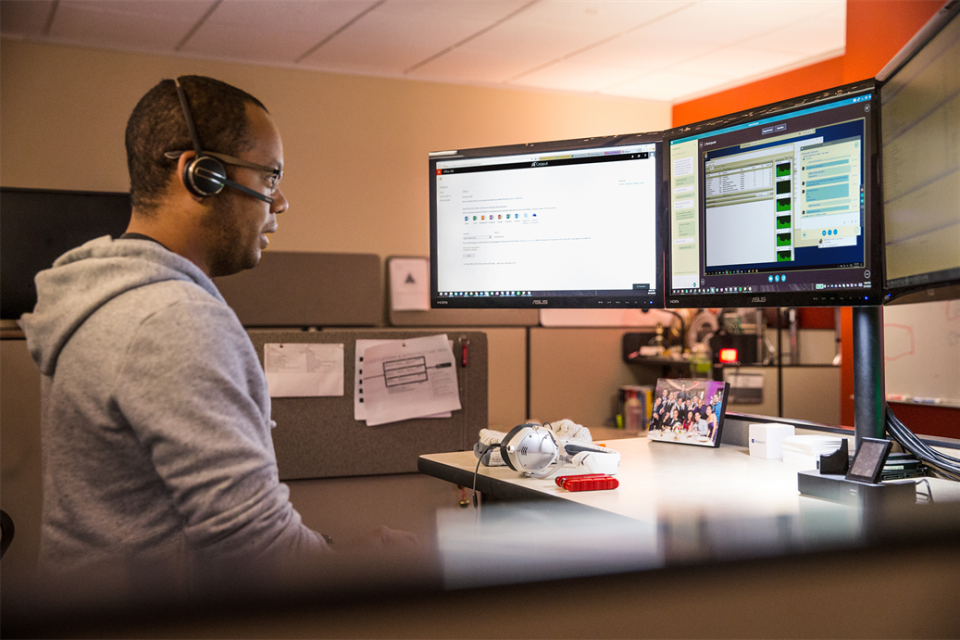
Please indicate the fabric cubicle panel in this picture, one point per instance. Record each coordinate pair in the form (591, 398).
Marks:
(307, 289)
(319, 438)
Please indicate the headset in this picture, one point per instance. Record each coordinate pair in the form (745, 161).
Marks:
(534, 450)
(204, 175)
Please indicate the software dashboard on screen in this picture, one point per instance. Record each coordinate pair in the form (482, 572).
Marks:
(776, 210)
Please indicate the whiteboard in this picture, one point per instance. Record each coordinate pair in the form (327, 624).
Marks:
(921, 351)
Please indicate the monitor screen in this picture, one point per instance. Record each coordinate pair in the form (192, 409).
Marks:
(569, 224)
(40, 225)
(920, 156)
(773, 207)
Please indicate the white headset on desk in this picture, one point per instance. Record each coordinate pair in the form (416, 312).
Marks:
(534, 450)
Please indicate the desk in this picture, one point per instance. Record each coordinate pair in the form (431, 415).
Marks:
(676, 505)
(656, 478)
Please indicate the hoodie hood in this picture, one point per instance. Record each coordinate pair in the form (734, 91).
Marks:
(86, 278)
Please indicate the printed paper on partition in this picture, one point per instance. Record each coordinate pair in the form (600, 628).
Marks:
(300, 370)
(405, 379)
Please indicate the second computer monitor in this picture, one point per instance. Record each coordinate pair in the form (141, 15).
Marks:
(773, 207)
(570, 224)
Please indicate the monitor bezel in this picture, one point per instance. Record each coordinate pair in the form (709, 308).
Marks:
(655, 301)
(809, 298)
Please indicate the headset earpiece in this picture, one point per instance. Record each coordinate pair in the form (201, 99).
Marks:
(204, 176)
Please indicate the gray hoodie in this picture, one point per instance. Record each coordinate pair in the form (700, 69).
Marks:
(156, 417)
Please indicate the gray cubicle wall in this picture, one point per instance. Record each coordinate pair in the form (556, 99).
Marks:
(294, 289)
(319, 437)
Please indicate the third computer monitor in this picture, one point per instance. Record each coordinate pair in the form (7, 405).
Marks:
(920, 125)
(774, 207)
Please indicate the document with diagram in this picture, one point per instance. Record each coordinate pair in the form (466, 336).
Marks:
(405, 379)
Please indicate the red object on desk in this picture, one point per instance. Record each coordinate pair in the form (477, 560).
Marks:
(588, 482)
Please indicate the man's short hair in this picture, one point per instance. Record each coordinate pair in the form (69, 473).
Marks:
(157, 125)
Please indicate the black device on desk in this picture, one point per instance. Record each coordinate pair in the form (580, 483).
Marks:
(868, 463)
(901, 465)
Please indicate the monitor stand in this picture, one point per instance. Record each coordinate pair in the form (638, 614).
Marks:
(869, 399)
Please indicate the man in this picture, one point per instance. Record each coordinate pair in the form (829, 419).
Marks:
(156, 414)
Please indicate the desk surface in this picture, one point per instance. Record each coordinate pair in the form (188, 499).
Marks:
(657, 478)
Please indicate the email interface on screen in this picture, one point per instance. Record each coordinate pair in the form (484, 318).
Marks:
(572, 228)
(775, 211)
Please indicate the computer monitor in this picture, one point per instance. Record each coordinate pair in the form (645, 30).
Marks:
(920, 153)
(570, 224)
(774, 207)
(39, 225)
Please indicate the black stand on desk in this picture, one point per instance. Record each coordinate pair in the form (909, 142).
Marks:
(868, 386)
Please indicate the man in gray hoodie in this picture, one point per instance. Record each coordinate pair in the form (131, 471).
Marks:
(156, 415)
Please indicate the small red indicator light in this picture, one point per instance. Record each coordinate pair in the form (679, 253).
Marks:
(728, 356)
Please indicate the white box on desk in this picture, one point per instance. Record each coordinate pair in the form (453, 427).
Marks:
(766, 439)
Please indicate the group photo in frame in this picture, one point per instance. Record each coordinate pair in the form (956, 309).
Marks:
(688, 412)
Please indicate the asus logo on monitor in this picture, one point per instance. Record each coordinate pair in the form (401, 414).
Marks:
(759, 299)
(541, 302)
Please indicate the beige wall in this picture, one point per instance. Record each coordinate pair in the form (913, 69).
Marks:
(355, 147)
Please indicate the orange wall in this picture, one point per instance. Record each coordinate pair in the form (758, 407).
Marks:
(876, 31)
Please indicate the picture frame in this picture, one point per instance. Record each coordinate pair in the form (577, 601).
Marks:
(688, 411)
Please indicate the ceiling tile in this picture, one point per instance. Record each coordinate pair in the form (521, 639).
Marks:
(23, 17)
(646, 49)
(408, 33)
(469, 66)
(665, 86)
(812, 37)
(570, 75)
(737, 62)
(278, 32)
(600, 18)
(147, 25)
(725, 22)
(652, 49)
(530, 47)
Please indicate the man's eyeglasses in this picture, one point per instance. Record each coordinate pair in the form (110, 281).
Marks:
(274, 174)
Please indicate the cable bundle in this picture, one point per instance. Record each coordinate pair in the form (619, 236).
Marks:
(944, 464)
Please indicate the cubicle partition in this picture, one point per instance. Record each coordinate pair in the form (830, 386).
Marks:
(319, 437)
